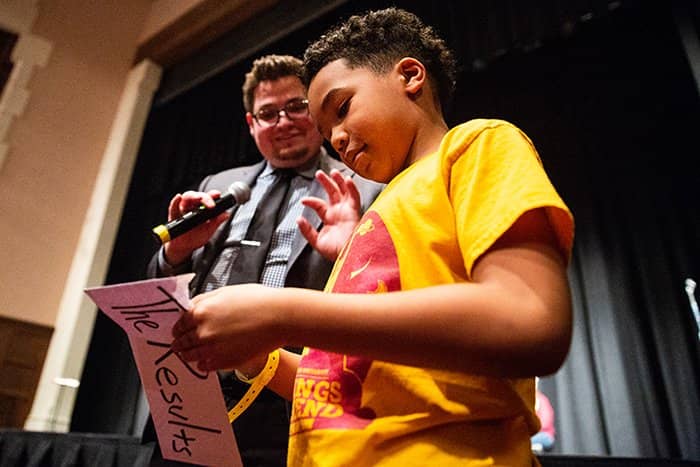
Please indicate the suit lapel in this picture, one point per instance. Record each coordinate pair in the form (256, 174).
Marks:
(248, 176)
(251, 173)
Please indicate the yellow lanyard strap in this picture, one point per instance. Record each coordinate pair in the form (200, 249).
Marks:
(256, 385)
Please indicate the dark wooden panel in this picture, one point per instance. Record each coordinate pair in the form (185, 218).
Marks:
(23, 348)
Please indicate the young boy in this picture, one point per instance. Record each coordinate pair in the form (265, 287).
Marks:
(447, 300)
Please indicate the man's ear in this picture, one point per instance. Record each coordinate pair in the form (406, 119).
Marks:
(249, 120)
(413, 75)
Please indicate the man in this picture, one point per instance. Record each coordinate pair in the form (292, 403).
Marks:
(218, 250)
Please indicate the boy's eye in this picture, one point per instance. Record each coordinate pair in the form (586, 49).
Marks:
(343, 109)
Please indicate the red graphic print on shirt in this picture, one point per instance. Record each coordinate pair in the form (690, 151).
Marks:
(328, 386)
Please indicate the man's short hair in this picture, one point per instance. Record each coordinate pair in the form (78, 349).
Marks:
(377, 40)
(268, 68)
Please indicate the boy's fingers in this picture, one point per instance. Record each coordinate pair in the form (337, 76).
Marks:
(185, 339)
(339, 180)
(184, 324)
(203, 356)
(330, 186)
(212, 364)
(191, 355)
(317, 204)
(352, 190)
(307, 230)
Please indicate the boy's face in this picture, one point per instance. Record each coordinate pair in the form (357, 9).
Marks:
(367, 117)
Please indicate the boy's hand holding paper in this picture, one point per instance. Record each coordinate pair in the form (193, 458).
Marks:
(186, 403)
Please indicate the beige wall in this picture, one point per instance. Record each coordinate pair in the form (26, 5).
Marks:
(56, 145)
(71, 118)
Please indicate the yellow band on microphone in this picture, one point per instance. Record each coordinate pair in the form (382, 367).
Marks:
(256, 385)
(162, 232)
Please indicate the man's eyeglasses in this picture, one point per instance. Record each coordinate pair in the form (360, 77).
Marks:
(294, 109)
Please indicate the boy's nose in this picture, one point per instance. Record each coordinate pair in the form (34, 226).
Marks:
(339, 141)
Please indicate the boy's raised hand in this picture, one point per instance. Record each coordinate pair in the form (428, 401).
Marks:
(339, 215)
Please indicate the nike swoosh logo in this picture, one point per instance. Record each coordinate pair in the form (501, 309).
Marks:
(357, 272)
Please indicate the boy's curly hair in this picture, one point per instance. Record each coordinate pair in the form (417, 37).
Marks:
(378, 39)
(268, 68)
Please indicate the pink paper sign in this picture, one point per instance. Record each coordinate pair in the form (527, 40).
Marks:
(186, 404)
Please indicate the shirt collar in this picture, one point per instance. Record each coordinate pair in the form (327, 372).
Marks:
(308, 173)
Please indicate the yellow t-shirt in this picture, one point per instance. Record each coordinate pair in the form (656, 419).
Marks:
(428, 227)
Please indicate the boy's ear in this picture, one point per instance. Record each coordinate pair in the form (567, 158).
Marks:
(413, 74)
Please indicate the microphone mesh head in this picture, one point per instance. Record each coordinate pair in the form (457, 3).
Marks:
(240, 192)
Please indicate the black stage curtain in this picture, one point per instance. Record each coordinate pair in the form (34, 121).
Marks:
(606, 92)
(32, 449)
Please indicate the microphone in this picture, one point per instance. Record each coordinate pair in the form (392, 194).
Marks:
(237, 193)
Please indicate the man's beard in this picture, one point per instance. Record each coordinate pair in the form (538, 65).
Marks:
(293, 153)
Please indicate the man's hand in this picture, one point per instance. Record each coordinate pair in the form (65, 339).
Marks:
(340, 214)
(180, 249)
